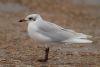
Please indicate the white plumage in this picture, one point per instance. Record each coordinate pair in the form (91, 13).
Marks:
(45, 31)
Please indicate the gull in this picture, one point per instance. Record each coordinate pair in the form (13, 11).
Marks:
(47, 32)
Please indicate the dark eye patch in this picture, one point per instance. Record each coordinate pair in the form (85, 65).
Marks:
(31, 18)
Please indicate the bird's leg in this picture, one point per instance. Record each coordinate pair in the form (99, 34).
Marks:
(46, 55)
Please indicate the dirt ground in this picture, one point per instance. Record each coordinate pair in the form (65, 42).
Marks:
(17, 49)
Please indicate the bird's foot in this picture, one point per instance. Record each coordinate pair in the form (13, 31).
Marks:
(46, 56)
(42, 60)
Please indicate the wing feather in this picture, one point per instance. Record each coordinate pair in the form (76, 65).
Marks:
(58, 33)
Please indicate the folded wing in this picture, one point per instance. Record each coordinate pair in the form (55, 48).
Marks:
(57, 33)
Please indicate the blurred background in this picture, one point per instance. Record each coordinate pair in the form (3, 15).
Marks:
(18, 50)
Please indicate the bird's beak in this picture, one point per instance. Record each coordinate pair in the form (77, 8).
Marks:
(22, 20)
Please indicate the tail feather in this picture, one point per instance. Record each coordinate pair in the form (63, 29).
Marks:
(78, 35)
(78, 41)
(81, 35)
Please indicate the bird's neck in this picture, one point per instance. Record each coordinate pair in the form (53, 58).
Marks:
(39, 19)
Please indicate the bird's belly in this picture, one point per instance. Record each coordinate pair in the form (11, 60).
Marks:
(39, 37)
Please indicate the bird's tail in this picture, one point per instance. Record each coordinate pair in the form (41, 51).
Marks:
(82, 38)
(78, 37)
(81, 35)
(78, 41)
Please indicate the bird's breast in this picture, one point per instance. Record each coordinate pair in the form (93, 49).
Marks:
(34, 34)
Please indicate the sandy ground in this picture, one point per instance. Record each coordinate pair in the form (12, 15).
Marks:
(18, 50)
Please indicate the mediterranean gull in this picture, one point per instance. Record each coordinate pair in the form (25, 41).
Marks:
(48, 32)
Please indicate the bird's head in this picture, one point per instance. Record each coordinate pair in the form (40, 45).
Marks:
(31, 18)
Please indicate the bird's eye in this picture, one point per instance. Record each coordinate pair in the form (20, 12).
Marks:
(30, 18)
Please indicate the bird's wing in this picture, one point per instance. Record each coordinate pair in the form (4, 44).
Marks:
(58, 33)
(47, 27)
